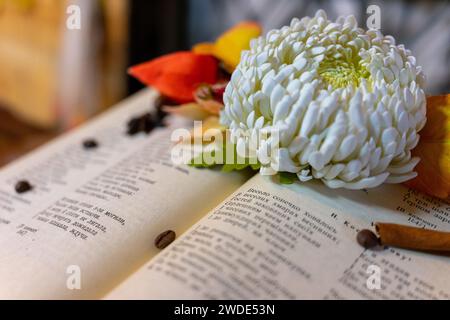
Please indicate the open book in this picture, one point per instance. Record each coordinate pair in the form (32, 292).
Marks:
(97, 213)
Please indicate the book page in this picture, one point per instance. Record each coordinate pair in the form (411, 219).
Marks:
(95, 213)
(272, 241)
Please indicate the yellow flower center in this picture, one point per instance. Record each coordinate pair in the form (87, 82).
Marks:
(341, 73)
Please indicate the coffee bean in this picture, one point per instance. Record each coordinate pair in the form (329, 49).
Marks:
(367, 239)
(164, 239)
(133, 126)
(23, 186)
(145, 122)
(160, 115)
(148, 123)
(90, 144)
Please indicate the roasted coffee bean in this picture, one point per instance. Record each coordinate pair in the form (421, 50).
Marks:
(148, 123)
(23, 186)
(149, 127)
(143, 123)
(164, 239)
(133, 126)
(160, 115)
(367, 239)
(90, 144)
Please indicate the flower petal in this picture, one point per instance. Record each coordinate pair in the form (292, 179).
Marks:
(177, 75)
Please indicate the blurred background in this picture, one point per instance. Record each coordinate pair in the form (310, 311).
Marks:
(53, 78)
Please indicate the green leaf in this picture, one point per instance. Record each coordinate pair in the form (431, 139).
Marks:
(287, 177)
(238, 162)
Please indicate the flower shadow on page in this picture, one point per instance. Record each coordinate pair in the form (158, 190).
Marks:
(342, 199)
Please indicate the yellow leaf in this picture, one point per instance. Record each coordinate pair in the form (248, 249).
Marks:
(229, 45)
(434, 150)
(204, 48)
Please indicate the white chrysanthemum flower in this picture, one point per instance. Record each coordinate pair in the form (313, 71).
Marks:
(346, 103)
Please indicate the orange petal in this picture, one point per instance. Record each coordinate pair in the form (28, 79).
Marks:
(229, 45)
(434, 150)
(178, 74)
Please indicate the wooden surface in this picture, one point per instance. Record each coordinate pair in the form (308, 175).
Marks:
(17, 138)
